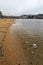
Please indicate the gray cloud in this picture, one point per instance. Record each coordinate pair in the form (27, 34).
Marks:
(18, 7)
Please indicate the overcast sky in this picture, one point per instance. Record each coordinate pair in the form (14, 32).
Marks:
(18, 7)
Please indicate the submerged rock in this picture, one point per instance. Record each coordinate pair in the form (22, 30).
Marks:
(34, 45)
(27, 42)
(32, 52)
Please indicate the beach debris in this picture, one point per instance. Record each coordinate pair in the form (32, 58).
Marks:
(34, 45)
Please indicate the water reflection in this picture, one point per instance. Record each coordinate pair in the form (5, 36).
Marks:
(29, 26)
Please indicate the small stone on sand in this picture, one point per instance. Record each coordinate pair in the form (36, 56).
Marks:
(34, 45)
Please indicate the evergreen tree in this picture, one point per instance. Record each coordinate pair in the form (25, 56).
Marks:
(0, 13)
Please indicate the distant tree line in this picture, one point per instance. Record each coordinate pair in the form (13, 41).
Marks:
(0, 14)
(38, 16)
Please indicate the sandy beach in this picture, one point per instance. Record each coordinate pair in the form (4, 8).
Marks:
(12, 52)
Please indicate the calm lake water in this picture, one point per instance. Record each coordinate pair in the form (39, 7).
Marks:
(29, 26)
(28, 32)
